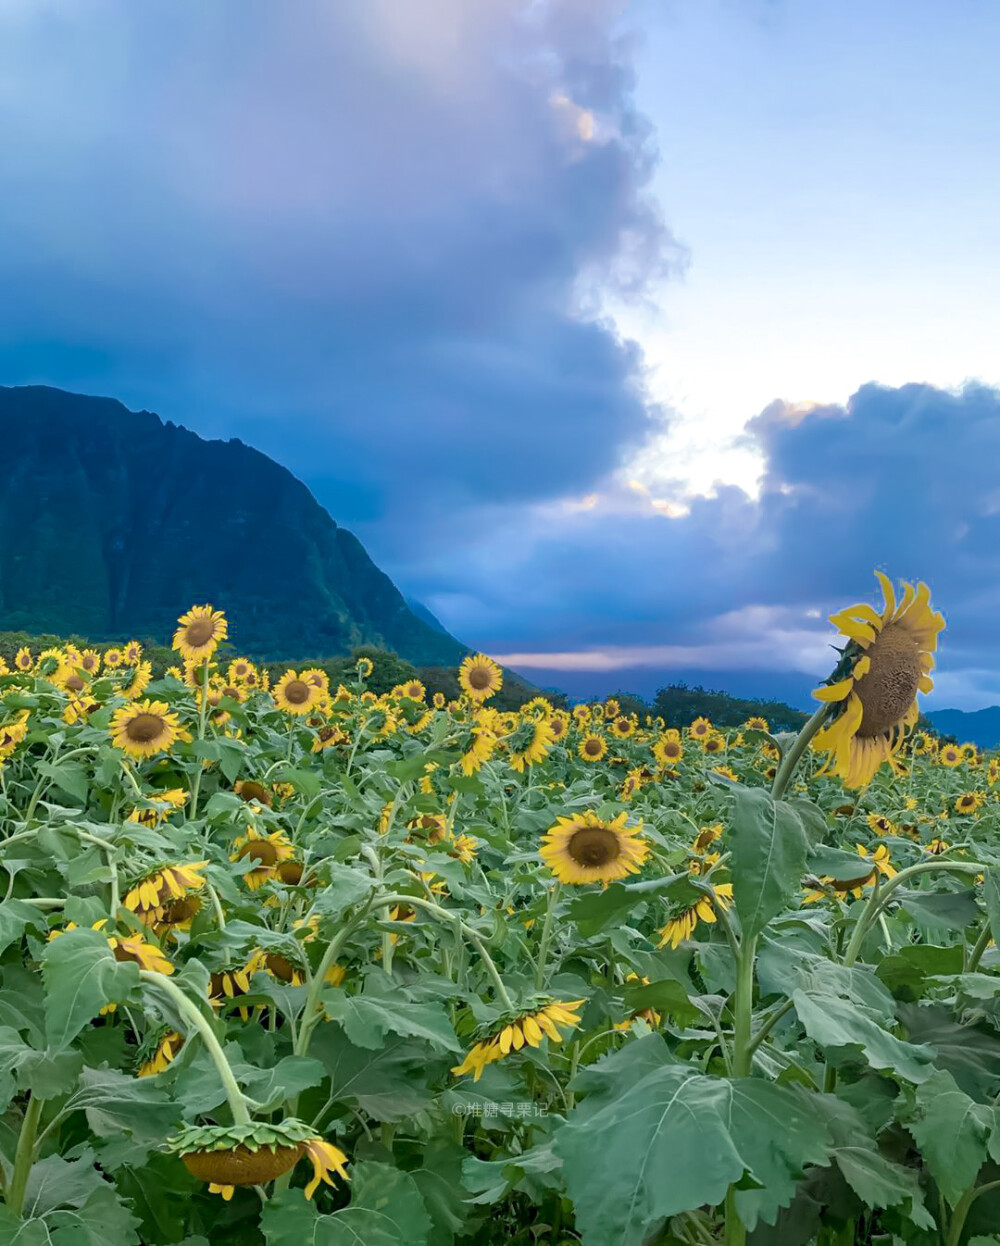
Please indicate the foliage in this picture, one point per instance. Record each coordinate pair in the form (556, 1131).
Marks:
(678, 705)
(308, 924)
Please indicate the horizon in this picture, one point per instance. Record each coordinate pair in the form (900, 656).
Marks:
(659, 439)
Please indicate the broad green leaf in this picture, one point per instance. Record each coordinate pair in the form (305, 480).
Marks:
(287, 1079)
(991, 895)
(597, 910)
(941, 910)
(768, 846)
(368, 1018)
(68, 776)
(783, 969)
(439, 1180)
(951, 1131)
(57, 1182)
(15, 916)
(879, 1182)
(115, 1102)
(530, 1171)
(672, 1140)
(388, 1084)
(970, 1053)
(46, 1074)
(100, 1221)
(81, 977)
(385, 1210)
(834, 1023)
(344, 888)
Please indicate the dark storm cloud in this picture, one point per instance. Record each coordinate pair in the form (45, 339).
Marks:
(906, 480)
(363, 236)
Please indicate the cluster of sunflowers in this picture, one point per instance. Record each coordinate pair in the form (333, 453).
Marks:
(248, 889)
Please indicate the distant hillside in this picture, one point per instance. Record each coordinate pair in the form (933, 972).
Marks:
(113, 522)
(980, 727)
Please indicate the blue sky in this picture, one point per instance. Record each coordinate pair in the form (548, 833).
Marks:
(628, 337)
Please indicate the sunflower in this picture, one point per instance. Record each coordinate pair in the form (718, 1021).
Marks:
(726, 773)
(480, 677)
(683, 925)
(112, 659)
(668, 750)
(970, 753)
(921, 742)
(141, 678)
(439, 700)
(479, 751)
(612, 707)
(714, 743)
(700, 728)
(937, 847)
(23, 661)
(516, 1030)
(90, 661)
(464, 849)
(993, 770)
(756, 723)
(583, 849)
(950, 755)
(144, 729)
(158, 1052)
(592, 747)
(239, 670)
(633, 781)
(266, 851)
(295, 695)
(329, 737)
(163, 804)
(969, 802)
(252, 791)
(622, 728)
(881, 825)
(649, 1015)
(582, 714)
(707, 837)
(364, 667)
(887, 661)
(199, 632)
(534, 747)
(150, 898)
(559, 725)
(13, 733)
(233, 981)
(135, 949)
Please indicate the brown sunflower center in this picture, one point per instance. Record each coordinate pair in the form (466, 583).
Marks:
(75, 683)
(890, 687)
(594, 846)
(241, 1166)
(480, 677)
(250, 789)
(592, 748)
(178, 911)
(671, 749)
(297, 692)
(199, 632)
(260, 850)
(145, 728)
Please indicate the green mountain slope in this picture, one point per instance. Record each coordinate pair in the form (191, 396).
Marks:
(112, 523)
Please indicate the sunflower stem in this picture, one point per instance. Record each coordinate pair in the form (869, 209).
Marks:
(879, 898)
(202, 716)
(791, 759)
(980, 946)
(24, 1155)
(543, 950)
(191, 1014)
(311, 1011)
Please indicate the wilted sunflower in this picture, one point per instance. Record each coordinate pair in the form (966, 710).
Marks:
(592, 747)
(199, 632)
(295, 695)
(522, 1028)
(158, 1052)
(267, 851)
(668, 750)
(969, 802)
(144, 729)
(950, 755)
(226, 1156)
(151, 899)
(583, 849)
(700, 728)
(887, 661)
(480, 677)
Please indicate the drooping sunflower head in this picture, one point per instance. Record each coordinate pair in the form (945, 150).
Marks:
(295, 695)
(199, 633)
(158, 1051)
(250, 790)
(227, 1156)
(154, 897)
(144, 728)
(538, 1018)
(585, 849)
(873, 691)
(480, 677)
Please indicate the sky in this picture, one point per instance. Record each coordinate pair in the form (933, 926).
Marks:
(629, 337)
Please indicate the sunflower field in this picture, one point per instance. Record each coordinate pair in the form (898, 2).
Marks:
(284, 963)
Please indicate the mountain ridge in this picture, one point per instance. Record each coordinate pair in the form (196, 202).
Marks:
(980, 727)
(113, 522)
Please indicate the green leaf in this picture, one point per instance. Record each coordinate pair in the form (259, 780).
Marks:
(991, 895)
(46, 1074)
(387, 1085)
(115, 1102)
(368, 1018)
(951, 1131)
(345, 888)
(941, 910)
(15, 916)
(100, 1221)
(597, 910)
(68, 776)
(879, 1182)
(385, 1210)
(769, 846)
(81, 977)
(970, 1053)
(643, 1148)
(286, 1080)
(835, 1023)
